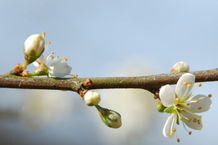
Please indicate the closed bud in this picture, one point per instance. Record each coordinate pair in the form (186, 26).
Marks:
(109, 117)
(180, 67)
(33, 48)
(92, 98)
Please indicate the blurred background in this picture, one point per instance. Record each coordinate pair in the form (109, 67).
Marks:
(104, 38)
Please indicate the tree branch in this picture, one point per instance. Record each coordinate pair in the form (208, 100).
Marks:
(152, 82)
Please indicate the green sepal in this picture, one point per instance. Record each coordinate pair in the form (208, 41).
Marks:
(169, 109)
(177, 120)
(160, 107)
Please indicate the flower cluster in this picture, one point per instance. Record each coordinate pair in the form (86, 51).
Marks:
(183, 105)
(52, 66)
(49, 65)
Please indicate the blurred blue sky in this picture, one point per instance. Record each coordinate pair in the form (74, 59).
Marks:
(99, 36)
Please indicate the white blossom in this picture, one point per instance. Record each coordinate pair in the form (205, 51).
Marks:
(57, 68)
(182, 105)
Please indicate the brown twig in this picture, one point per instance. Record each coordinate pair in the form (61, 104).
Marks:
(151, 83)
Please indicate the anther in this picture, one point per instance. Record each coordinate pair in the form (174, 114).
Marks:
(196, 101)
(65, 58)
(75, 75)
(189, 85)
(180, 117)
(52, 57)
(174, 130)
(178, 139)
(48, 42)
(43, 34)
(210, 95)
(52, 52)
(175, 108)
(185, 83)
(199, 108)
(189, 119)
(194, 120)
(171, 133)
(199, 84)
(189, 132)
(177, 99)
(199, 122)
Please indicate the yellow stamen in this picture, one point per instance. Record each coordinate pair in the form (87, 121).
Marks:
(43, 34)
(185, 83)
(52, 52)
(75, 76)
(199, 122)
(177, 99)
(196, 101)
(174, 130)
(194, 120)
(175, 108)
(199, 108)
(189, 132)
(210, 95)
(65, 58)
(199, 84)
(57, 56)
(189, 86)
(189, 119)
(180, 117)
(171, 133)
(178, 139)
(48, 42)
(52, 57)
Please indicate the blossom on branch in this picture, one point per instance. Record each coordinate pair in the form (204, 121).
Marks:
(182, 105)
(52, 66)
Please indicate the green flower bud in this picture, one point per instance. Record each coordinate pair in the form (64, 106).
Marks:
(160, 106)
(33, 48)
(109, 117)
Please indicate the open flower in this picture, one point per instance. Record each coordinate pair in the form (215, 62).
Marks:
(52, 66)
(182, 105)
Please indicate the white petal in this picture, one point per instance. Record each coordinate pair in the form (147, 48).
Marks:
(169, 125)
(183, 90)
(59, 69)
(194, 122)
(203, 103)
(40, 60)
(167, 95)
